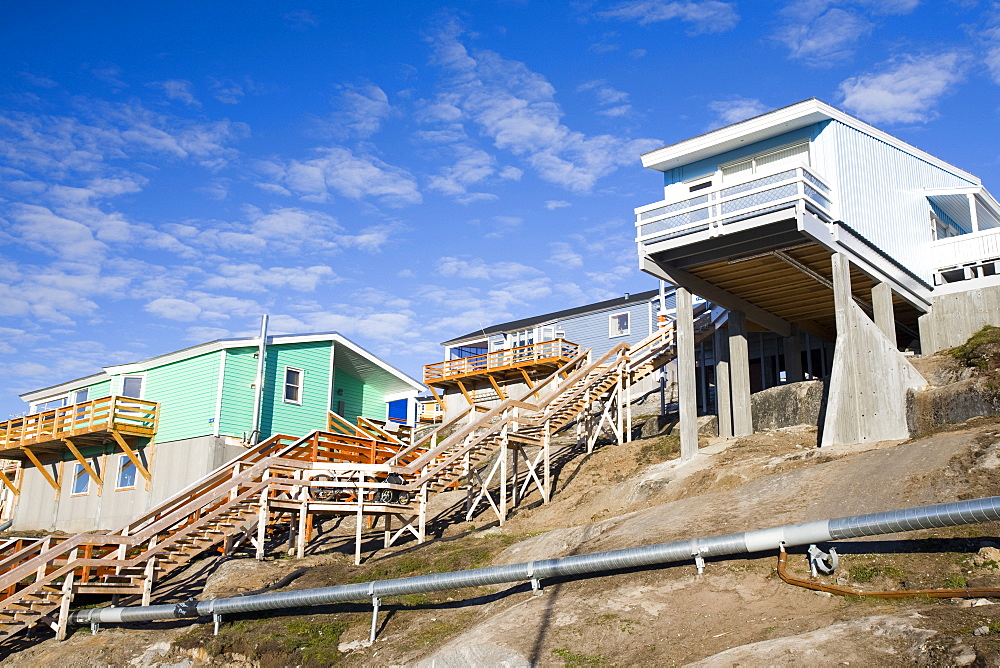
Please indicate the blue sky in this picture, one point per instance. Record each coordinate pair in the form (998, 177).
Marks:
(401, 172)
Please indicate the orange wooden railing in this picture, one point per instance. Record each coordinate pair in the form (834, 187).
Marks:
(135, 417)
(546, 351)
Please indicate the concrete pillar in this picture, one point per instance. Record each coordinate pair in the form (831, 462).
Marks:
(723, 397)
(687, 395)
(885, 320)
(793, 356)
(739, 374)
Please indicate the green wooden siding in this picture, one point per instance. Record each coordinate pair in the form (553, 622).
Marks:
(281, 417)
(97, 390)
(186, 391)
(353, 396)
(238, 392)
(373, 403)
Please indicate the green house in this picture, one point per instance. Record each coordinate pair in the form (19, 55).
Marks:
(99, 450)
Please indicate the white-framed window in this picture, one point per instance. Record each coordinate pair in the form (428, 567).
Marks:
(126, 473)
(49, 405)
(293, 385)
(80, 396)
(618, 324)
(81, 480)
(772, 161)
(132, 386)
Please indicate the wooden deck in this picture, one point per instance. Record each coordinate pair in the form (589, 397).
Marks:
(88, 421)
(547, 353)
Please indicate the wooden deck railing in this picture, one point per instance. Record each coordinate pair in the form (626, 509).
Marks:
(536, 353)
(135, 417)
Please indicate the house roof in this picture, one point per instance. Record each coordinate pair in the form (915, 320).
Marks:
(772, 124)
(214, 346)
(516, 325)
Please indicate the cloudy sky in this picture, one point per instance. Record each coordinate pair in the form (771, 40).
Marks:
(401, 172)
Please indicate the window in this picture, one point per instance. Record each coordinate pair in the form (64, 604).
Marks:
(126, 473)
(81, 479)
(49, 405)
(771, 162)
(618, 325)
(293, 385)
(80, 396)
(132, 387)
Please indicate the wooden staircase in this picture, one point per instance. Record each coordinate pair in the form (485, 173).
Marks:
(278, 478)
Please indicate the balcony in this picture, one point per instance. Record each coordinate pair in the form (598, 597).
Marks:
(87, 421)
(545, 354)
(715, 210)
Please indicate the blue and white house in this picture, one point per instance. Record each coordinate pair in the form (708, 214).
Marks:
(808, 220)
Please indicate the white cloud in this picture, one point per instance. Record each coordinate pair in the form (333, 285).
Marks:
(564, 256)
(202, 306)
(472, 166)
(735, 110)
(360, 111)
(554, 204)
(173, 309)
(515, 107)
(255, 278)
(231, 92)
(477, 268)
(706, 16)
(611, 102)
(906, 89)
(339, 170)
(178, 89)
(826, 32)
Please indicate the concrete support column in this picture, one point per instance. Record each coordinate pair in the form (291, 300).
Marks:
(739, 374)
(723, 397)
(793, 356)
(687, 395)
(843, 298)
(885, 319)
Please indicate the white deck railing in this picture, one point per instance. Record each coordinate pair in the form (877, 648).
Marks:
(713, 208)
(965, 252)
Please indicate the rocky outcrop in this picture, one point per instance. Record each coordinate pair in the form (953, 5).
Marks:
(951, 404)
(787, 405)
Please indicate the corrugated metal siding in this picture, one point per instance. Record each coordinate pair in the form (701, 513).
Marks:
(281, 417)
(186, 392)
(237, 392)
(879, 192)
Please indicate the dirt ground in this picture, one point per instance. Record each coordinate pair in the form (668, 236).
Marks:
(737, 613)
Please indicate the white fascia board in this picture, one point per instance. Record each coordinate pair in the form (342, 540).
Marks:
(62, 388)
(772, 124)
(396, 396)
(378, 362)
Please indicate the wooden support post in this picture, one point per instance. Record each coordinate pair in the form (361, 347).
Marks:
(496, 388)
(437, 399)
(41, 571)
(8, 484)
(619, 404)
(739, 374)
(686, 375)
(422, 518)
(300, 542)
(148, 577)
(388, 529)
(628, 406)
(262, 517)
(67, 599)
(360, 519)
(83, 462)
(503, 479)
(132, 455)
(518, 449)
(547, 475)
(527, 381)
(41, 469)
(465, 393)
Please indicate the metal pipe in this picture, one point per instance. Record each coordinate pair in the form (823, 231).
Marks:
(894, 521)
(258, 395)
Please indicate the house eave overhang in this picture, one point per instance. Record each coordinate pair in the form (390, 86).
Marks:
(774, 123)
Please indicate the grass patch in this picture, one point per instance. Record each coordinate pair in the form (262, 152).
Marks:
(868, 572)
(659, 450)
(956, 581)
(981, 351)
(309, 642)
(572, 659)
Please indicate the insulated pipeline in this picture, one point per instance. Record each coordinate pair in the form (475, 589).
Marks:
(895, 521)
